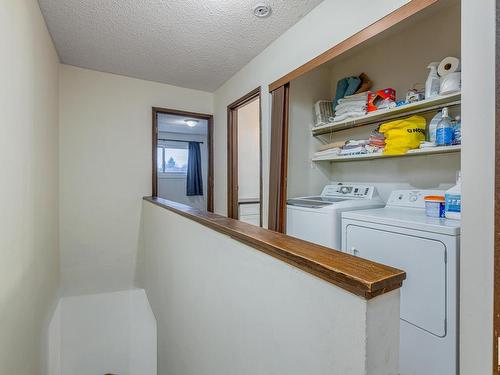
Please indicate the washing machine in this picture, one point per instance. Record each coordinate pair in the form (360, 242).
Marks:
(318, 218)
(402, 236)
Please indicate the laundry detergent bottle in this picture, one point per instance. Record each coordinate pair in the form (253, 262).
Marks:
(432, 84)
(453, 200)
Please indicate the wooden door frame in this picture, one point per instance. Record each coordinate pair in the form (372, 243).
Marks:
(210, 125)
(496, 254)
(232, 152)
(278, 159)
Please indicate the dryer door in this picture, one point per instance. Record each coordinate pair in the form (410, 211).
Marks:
(423, 295)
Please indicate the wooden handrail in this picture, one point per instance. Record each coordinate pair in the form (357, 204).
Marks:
(356, 275)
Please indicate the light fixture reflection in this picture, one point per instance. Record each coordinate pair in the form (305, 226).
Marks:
(191, 123)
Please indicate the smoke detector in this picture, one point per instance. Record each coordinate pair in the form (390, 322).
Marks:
(262, 10)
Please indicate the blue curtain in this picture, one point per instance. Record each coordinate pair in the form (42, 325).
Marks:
(194, 184)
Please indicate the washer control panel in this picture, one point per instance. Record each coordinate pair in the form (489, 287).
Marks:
(410, 198)
(348, 191)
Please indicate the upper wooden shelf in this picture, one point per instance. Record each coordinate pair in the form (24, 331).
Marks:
(356, 275)
(392, 113)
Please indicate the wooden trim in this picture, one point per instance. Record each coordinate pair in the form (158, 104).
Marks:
(356, 275)
(232, 163)
(210, 181)
(378, 27)
(232, 152)
(154, 137)
(278, 164)
(178, 112)
(261, 182)
(245, 99)
(496, 262)
(210, 147)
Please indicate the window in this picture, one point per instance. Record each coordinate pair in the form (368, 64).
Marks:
(173, 158)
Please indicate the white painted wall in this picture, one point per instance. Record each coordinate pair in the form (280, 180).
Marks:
(29, 273)
(325, 26)
(305, 177)
(104, 333)
(225, 308)
(54, 360)
(249, 151)
(105, 170)
(478, 163)
(174, 188)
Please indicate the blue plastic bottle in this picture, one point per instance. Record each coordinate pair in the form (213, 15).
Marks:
(444, 130)
(457, 131)
(453, 200)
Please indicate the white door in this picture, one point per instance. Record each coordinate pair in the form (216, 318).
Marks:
(423, 295)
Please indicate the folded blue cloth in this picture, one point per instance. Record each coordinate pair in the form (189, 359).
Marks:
(346, 86)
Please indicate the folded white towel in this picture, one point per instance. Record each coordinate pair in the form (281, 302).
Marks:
(363, 94)
(332, 151)
(350, 108)
(351, 104)
(348, 115)
(353, 151)
(363, 97)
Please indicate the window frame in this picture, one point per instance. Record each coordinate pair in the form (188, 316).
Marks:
(162, 172)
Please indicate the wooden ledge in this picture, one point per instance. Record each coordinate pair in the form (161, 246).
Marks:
(356, 275)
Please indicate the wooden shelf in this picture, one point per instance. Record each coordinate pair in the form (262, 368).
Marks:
(416, 152)
(392, 113)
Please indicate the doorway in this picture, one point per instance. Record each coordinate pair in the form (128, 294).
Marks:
(183, 157)
(245, 159)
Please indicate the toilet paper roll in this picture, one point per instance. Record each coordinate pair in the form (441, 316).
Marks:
(448, 65)
(450, 83)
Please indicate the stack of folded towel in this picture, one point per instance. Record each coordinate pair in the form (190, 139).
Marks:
(351, 106)
(330, 146)
(354, 148)
(329, 149)
(376, 142)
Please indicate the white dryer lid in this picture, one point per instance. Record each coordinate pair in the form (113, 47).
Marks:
(410, 218)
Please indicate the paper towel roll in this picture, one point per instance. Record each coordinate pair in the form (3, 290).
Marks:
(450, 83)
(448, 65)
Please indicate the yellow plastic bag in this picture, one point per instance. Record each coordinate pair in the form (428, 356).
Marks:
(403, 135)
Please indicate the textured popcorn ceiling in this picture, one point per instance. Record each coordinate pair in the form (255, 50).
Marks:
(190, 43)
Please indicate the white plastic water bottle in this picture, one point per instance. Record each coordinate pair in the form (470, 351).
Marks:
(444, 130)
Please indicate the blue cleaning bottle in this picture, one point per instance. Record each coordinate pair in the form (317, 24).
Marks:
(453, 200)
(457, 131)
(444, 130)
